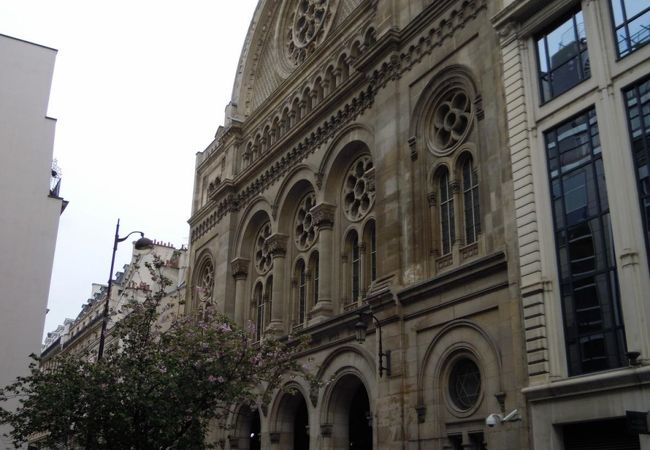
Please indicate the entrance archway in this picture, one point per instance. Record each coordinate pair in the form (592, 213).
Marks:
(350, 415)
(292, 422)
(248, 430)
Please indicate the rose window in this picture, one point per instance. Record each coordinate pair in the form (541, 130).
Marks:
(308, 20)
(263, 260)
(451, 120)
(359, 189)
(206, 281)
(304, 223)
(464, 384)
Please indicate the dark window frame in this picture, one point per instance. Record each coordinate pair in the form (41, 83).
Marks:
(569, 274)
(645, 220)
(625, 25)
(571, 15)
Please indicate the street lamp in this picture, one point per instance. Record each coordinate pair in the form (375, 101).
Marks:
(140, 244)
(360, 332)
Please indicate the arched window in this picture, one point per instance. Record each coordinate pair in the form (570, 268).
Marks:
(355, 260)
(471, 211)
(301, 291)
(258, 299)
(314, 270)
(447, 234)
(268, 296)
(371, 239)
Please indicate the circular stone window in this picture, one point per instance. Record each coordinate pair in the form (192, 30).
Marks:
(205, 283)
(449, 121)
(263, 260)
(304, 223)
(307, 25)
(359, 189)
(464, 384)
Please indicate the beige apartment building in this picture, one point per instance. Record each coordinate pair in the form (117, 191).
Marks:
(360, 192)
(575, 75)
(133, 283)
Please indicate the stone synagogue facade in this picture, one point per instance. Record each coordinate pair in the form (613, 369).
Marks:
(361, 192)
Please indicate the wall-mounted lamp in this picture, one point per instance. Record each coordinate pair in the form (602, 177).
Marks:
(360, 329)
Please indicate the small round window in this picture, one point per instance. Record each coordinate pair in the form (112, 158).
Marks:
(464, 384)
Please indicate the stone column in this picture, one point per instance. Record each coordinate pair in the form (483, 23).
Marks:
(323, 216)
(239, 268)
(277, 245)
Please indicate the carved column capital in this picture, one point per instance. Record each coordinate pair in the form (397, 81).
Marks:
(277, 244)
(323, 215)
(239, 268)
(432, 199)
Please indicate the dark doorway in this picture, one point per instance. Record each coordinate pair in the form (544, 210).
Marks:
(300, 427)
(360, 420)
(256, 431)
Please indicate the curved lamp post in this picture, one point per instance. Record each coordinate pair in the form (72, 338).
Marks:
(360, 332)
(140, 244)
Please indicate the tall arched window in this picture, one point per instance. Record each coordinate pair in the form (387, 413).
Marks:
(314, 270)
(447, 234)
(258, 298)
(372, 242)
(301, 291)
(471, 211)
(355, 265)
(268, 296)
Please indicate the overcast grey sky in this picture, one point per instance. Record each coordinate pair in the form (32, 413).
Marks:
(139, 87)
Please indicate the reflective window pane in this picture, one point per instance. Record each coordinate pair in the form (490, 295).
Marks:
(562, 56)
(586, 266)
(632, 24)
(637, 103)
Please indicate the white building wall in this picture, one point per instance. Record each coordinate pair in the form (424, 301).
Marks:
(30, 217)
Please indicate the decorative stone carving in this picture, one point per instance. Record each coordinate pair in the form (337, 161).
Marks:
(304, 226)
(359, 189)
(431, 197)
(277, 244)
(263, 259)
(451, 120)
(323, 215)
(239, 268)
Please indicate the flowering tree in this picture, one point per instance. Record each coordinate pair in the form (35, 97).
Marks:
(153, 389)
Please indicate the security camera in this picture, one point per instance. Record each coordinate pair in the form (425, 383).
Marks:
(493, 420)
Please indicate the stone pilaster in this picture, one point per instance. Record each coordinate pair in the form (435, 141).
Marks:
(323, 216)
(277, 245)
(239, 268)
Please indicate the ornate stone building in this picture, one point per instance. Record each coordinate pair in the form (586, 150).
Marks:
(578, 106)
(361, 186)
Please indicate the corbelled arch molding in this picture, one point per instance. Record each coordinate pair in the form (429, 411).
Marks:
(458, 340)
(350, 143)
(244, 267)
(287, 413)
(345, 370)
